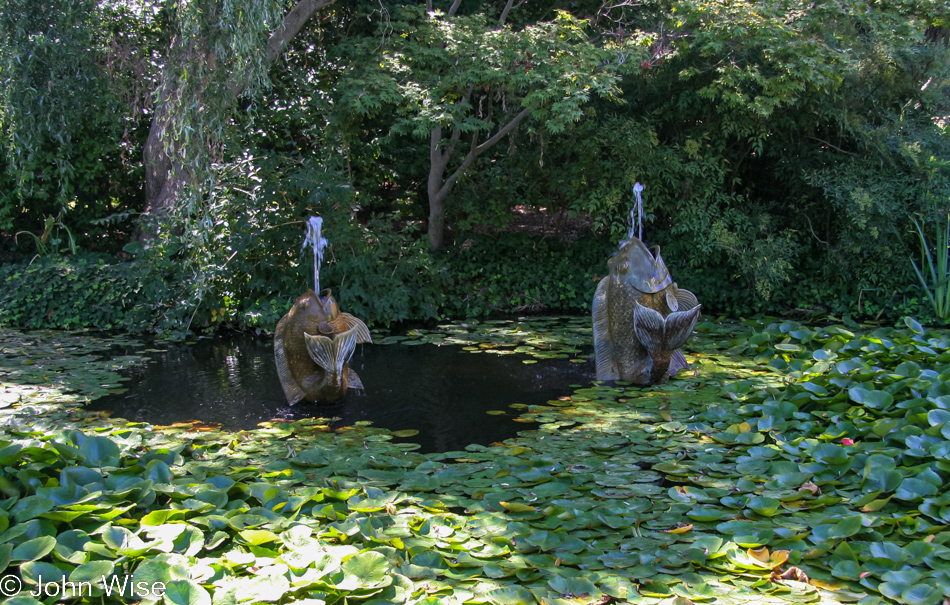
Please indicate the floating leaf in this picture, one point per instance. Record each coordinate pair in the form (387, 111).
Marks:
(100, 451)
(186, 592)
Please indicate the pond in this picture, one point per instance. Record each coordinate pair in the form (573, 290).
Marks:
(452, 397)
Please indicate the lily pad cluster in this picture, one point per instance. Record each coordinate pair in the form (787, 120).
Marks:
(537, 337)
(763, 475)
(864, 419)
(44, 367)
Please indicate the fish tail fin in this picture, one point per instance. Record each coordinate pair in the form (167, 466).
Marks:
(603, 348)
(292, 390)
(344, 344)
(320, 349)
(332, 355)
(679, 326)
(650, 328)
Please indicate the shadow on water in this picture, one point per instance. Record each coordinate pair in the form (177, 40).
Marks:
(442, 392)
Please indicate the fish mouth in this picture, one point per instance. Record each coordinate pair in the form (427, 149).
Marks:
(325, 299)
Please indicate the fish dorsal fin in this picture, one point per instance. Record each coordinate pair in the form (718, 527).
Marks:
(679, 326)
(362, 333)
(650, 327)
(320, 349)
(678, 362)
(687, 300)
(292, 390)
(603, 348)
(671, 301)
(352, 380)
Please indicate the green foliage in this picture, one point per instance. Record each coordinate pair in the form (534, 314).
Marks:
(50, 241)
(439, 69)
(243, 265)
(219, 52)
(783, 153)
(61, 118)
(50, 91)
(785, 147)
(934, 276)
(764, 258)
(385, 272)
(84, 291)
(552, 277)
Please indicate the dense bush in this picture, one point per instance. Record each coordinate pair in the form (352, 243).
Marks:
(520, 273)
(84, 291)
(381, 272)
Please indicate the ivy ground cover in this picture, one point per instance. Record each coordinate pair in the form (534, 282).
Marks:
(790, 465)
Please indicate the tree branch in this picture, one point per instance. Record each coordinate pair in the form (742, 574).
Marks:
(435, 154)
(504, 13)
(292, 24)
(504, 130)
(834, 147)
(478, 150)
(452, 9)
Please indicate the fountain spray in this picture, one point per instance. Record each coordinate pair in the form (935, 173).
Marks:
(318, 243)
(636, 213)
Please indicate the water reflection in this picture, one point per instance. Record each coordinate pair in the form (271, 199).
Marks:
(439, 391)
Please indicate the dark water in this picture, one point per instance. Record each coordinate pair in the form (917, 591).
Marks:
(440, 391)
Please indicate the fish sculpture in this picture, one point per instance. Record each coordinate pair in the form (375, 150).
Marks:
(313, 345)
(641, 318)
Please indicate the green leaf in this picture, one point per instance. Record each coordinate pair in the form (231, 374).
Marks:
(574, 586)
(92, 571)
(370, 567)
(767, 507)
(30, 507)
(32, 550)
(921, 594)
(33, 571)
(256, 537)
(654, 588)
(186, 592)
(513, 595)
(846, 527)
(871, 398)
(830, 454)
(913, 490)
(100, 451)
(913, 325)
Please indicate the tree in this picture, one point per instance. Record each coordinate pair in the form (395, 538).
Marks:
(465, 83)
(85, 71)
(60, 119)
(220, 50)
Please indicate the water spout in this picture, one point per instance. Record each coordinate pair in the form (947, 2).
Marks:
(318, 243)
(636, 213)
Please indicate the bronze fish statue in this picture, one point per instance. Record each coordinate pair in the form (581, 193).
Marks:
(313, 345)
(641, 318)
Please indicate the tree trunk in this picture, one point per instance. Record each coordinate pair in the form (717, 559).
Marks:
(438, 162)
(439, 186)
(164, 178)
(162, 183)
